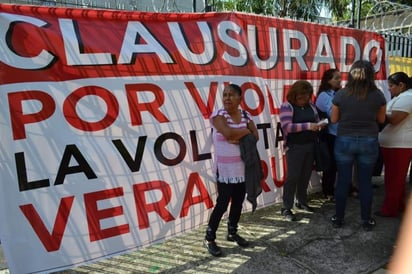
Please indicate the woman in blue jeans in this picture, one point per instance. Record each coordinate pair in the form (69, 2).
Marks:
(358, 108)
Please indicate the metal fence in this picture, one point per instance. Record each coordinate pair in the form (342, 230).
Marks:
(398, 44)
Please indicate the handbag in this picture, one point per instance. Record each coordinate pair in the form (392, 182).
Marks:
(321, 155)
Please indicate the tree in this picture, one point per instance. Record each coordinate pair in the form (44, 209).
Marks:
(302, 9)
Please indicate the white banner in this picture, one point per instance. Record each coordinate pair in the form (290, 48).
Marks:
(104, 120)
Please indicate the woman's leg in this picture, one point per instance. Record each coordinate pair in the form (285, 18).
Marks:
(307, 156)
(238, 196)
(222, 201)
(366, 160)
(329, 175)
(396, 161)
(294, 165)
(344, 156)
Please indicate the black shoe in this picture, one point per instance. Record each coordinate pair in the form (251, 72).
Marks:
(336, 222)
(330, 198)
(304, 207)
(238, 239)
(368, 225)
(213, 248)
(288, 214)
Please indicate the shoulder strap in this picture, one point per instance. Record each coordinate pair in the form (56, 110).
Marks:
(244, 114)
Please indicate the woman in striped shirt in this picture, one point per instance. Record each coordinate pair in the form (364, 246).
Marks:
(229, 125)
(298, 118)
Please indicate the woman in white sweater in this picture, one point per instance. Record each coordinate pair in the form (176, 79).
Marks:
(396, 144)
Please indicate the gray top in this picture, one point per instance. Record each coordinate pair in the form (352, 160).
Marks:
(358, 117)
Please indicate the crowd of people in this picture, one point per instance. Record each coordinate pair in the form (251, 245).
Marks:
(363, 129)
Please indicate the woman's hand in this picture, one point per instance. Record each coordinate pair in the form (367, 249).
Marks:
(315, 127)
(322, 126)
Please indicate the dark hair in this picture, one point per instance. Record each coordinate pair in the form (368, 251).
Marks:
(361, 79)
(400, 77)
(298, 88)
(236, 88)
(324, 82)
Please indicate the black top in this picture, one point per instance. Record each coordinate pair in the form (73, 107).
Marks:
(303, 114)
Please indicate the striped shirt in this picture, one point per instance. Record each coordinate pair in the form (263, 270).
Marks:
(227, 165)
(286, 120)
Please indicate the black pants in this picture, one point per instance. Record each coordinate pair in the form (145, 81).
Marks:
(226, 192)
(299, 163)
(377, 171)
(329, 175)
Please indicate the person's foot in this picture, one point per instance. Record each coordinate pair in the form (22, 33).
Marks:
(213, 248)
(304, 207)
(288, 214)
(238, 239)
(336, 222)
(331, 198)
(368, 225)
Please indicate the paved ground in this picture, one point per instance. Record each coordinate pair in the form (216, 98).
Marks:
(309, 245)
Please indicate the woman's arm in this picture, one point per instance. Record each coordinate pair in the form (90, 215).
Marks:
(334, 116)
(324, 102)
(234, 134)
(286, 121)
(396, 117)
(381, 115)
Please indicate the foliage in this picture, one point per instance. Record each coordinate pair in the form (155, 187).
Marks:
(301, 9)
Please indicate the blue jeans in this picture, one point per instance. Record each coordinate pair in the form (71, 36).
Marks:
(362, 151)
